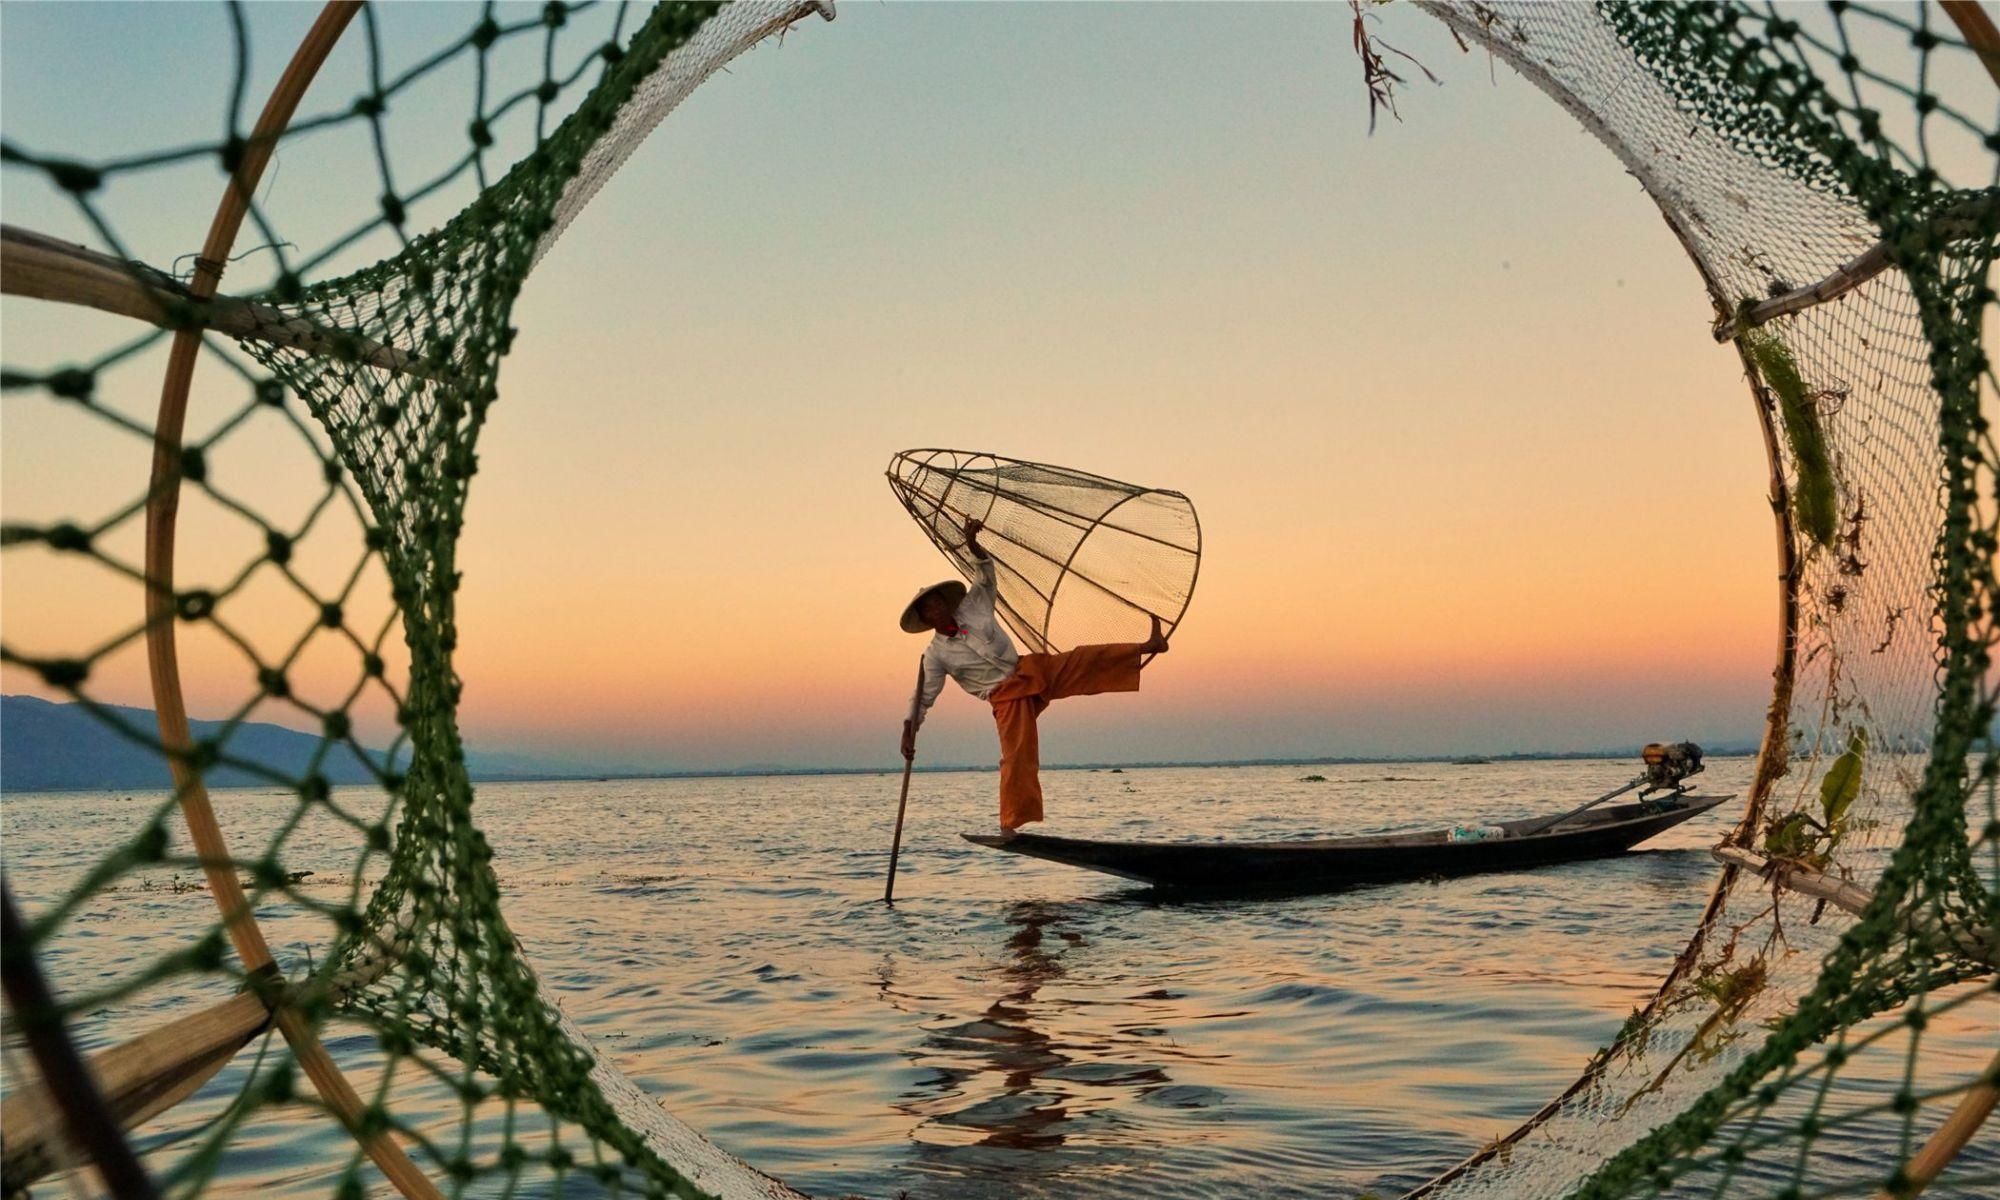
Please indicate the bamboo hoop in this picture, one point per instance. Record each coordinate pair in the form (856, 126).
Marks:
(1773, 752)
(162, 508)
(1951, 1137)
(1972, 21)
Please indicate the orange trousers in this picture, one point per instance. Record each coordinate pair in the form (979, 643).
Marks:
(1039, 679)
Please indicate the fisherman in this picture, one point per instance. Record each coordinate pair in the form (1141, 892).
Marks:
(968, 644)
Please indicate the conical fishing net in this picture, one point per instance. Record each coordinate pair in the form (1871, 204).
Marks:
(1080, 559)
(1830, 1029)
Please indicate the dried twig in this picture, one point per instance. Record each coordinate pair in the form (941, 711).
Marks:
(1375, 70)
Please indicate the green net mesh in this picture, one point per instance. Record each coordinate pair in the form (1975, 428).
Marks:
(323, 483)
(1827, 169)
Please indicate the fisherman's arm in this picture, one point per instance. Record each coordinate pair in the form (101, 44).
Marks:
(985, 585)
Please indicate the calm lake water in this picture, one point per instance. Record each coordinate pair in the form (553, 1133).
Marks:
(1011, 1027)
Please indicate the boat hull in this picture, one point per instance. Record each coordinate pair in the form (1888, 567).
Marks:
(1332, 863)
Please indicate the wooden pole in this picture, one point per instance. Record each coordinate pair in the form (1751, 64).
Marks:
(1962, 221)
(1951, 1137)
(903, 801)
(1580, 809)
(1972, 21)
(153, 1072)
(162, 508)
(45, 268)
(63, 1074)
(138, 1080)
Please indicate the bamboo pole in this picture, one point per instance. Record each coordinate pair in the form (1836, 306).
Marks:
(903, 801)
(1972, 21)
(1805, 881)
(70, 1086)
(149, 1074)
(161, 510)
(1979, 943)
(1961, 221)
(44, 268)
(1951, 1137)
(138, 1080)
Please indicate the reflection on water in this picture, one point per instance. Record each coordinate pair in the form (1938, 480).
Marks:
(1009, 1028)
(1002, 1092)
(1013, 1111)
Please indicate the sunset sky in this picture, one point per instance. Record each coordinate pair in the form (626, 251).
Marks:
(1471, 472)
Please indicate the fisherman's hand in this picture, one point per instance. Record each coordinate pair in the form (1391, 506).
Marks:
(909, 742)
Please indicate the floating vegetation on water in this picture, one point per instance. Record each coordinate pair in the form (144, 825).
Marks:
(1312, 779)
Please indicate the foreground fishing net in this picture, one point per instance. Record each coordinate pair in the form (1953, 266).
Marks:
(1079, 559)
(1829, 1029)
(316, 441)
(1830, 170)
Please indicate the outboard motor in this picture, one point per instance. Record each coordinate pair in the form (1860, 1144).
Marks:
(1668, 763)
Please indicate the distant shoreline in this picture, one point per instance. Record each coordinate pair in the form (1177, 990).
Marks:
(1496, 760)
(1204, 764)
(61, 747)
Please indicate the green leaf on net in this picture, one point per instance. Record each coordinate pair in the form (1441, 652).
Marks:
(1842, 784)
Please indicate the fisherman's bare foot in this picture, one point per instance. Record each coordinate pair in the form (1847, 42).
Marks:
(1156, 644)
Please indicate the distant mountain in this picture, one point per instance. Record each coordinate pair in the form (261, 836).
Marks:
(47, 747)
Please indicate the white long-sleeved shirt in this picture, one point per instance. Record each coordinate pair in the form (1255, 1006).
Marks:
(980, 656)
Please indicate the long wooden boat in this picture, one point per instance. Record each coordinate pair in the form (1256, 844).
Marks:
(1327, 864)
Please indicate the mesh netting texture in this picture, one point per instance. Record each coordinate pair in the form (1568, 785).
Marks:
(1831, 183)
(1079, 559)
(372, 384)
(1822, 170)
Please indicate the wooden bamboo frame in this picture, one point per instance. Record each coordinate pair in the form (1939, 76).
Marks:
(143, 1077)
(162, 655)
(44, 268)
(137, 1080)
(69, 1089)
(1979, 1101)
(1961, 221)
(1978, 31)
(960, 462)
(1951, 1137)
(1979, 943)
(1773, 751)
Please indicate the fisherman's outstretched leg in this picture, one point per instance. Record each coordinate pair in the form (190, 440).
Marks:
(1020, 761)
(1091, 670)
